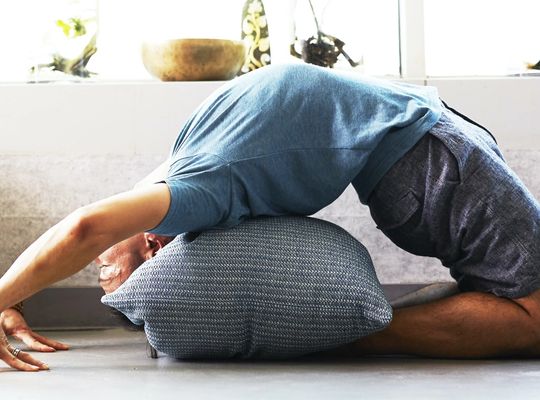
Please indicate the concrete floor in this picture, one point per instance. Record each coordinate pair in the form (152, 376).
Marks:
(113, 363)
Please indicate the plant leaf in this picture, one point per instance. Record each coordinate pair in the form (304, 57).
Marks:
(66, 28)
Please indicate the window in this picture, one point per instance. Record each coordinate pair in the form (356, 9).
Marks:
(30, 34)
(32, 30)
(446, 38)
(481, 37)
(369, 29)
(125, 24)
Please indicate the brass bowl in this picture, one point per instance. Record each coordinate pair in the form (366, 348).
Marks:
(194, 59)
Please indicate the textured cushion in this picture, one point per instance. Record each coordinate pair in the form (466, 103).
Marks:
(267, 288)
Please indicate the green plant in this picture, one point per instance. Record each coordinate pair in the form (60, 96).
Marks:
(76, 66)
(73, 28)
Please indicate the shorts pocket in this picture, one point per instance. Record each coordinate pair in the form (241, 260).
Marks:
(393, 215)
(450, 162)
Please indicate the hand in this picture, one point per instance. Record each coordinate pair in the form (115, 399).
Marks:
(13, 324)
(18, 359)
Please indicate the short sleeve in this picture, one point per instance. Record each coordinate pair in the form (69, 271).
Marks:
(199, 201)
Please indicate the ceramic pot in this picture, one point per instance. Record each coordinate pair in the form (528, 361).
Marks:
(194, 59)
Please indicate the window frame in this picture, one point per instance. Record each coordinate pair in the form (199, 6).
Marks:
(412, 46)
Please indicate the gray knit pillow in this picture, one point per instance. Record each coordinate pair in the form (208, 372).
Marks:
(268, 288)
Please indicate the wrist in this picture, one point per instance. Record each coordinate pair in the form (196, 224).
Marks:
(19, 307)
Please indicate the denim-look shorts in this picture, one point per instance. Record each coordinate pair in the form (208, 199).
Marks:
(453, 197)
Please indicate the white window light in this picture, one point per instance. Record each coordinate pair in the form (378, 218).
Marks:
(481, 37)
(458, 37)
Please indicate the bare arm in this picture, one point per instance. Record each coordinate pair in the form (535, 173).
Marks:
(157, 175)
(75, 241)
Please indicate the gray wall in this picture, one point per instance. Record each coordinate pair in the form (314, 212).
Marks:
(39, 190)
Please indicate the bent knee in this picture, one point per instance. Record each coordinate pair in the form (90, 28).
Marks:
(529, 334)
(530, 303)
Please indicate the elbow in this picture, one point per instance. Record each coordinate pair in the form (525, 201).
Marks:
(82, 224)
(91, 227)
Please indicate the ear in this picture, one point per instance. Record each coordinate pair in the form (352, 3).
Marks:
(153, 244)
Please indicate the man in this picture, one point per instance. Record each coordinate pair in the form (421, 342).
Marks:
(289, 140)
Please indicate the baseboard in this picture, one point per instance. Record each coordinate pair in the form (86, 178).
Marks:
(81, 308)
(68, 308)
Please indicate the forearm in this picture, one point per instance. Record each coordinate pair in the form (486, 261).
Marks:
(60, 252)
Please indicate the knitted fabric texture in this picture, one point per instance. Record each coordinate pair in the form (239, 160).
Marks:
(268, 288)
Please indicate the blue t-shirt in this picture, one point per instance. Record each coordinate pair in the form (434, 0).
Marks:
(289, 139)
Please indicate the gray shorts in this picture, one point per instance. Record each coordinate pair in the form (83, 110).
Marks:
(453, 197)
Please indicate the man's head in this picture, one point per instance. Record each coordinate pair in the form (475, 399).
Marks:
(118, 262)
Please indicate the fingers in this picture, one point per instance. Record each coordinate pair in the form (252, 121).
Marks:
(50, 342)
(23, 361)
(37, 342)
(29, 360)
(33, 343)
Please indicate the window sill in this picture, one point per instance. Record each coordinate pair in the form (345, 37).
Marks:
(142, 82)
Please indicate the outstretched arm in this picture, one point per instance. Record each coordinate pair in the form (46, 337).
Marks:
(75, 241)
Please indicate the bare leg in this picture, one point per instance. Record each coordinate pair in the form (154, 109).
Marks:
(467, 325)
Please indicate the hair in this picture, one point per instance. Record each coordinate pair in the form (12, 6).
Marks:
(123, 321)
